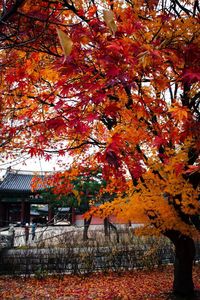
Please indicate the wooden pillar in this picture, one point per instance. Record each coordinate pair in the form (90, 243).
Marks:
(27, 212)
(3, 216)
(7, 214)
(73, 218)
(22, 217)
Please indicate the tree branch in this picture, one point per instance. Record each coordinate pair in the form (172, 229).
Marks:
(7, 14)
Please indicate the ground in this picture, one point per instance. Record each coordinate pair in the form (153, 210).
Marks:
(135, 285)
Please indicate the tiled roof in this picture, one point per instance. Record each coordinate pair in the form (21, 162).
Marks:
(16, 182)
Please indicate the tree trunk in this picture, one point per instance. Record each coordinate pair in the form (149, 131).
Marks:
(86, 227)
(106, 227)
(184, 258)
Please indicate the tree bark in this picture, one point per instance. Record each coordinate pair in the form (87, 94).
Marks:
(184, 257)
(107, 226)
(86, 227)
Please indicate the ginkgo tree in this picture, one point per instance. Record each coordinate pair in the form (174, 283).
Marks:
(116, 85)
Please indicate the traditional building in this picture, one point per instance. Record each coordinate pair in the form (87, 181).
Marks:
(16, 198)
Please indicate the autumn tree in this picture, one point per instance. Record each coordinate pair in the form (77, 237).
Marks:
(116, 85)
(81, 193)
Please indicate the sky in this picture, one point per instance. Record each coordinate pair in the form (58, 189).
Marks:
(34, 164)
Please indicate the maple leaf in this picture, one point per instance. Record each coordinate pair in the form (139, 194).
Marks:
(180, 113)
(113, 71)
(158, 141)
(91, 117)
(116, 47)
(61, 152)
(55, 123)
(108, 16)
(136, 170)
(111, 109)
(33, 151)
(92, 10)
(59, 104)
(112, 158)
(79, 126)
(65, 41)
(178, 167)
(112, 89)
(191, 76)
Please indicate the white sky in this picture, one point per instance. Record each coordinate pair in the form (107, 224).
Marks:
(35, 164)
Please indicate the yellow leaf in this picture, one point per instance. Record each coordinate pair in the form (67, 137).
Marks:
(77, 195)
(144, 59)
(179, 112)
(108, 16)
(65, 42)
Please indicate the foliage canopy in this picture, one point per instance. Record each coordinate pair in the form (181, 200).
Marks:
(116, 85)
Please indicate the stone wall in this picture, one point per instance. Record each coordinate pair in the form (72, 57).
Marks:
(82, 260)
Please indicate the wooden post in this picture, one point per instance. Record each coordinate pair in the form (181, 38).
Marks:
(22, 217)
(27, 212)
(2, 214)
(73, 219)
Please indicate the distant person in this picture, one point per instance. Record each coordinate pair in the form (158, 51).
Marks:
(26, 231)
(33, 228)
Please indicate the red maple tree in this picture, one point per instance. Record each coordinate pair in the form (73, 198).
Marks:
(116, 85)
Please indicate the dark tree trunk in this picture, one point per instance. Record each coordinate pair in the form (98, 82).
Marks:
(108, 226)
(185, 253)
(184, 258)
(86, 227)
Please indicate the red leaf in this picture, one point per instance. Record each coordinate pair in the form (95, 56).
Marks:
(35, 151)
(59, 104)
(111, 110)
(61, 152)
(178, 167)
(112, 158)
(191, 76)
(136, 170)
(91, 117)
(48, 157)
(115, 47)
(113, 71)
(158, 141)
(55, 123)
